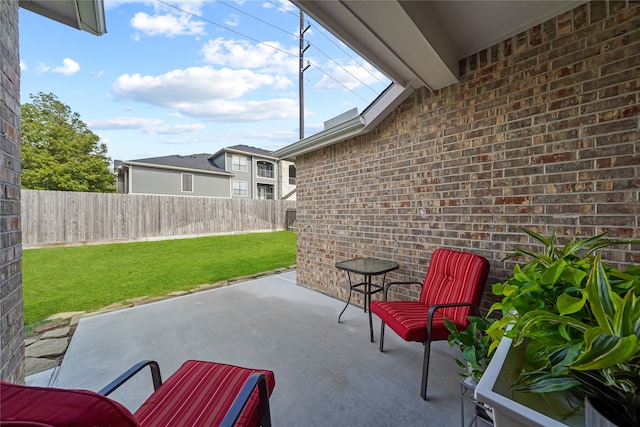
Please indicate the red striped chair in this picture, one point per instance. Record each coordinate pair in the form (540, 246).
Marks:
(452, 288)
(197, 394)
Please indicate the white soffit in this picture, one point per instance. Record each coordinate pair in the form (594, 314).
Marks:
(419, 43)
(86, 15)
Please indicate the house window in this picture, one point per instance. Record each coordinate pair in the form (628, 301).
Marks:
(239, 188)
(239, 163)
(265, 191)
(187, 182)
(292, 175)
(265, 169)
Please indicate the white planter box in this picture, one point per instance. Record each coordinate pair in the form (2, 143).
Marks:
(516, 409)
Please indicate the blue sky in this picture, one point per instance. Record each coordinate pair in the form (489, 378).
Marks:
(187, 77)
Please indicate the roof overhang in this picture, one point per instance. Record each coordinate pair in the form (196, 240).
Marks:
(420, 43)
(173, 168)
(245, 153)
(85, 15)
(416, 43)
(393, 96)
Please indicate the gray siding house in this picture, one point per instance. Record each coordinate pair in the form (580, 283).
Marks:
(240, 171)
(257, 174)
(193, 175)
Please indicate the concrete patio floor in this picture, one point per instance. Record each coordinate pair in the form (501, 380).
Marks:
(327, 374)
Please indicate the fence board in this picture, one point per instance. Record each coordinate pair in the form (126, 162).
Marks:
(58, 217)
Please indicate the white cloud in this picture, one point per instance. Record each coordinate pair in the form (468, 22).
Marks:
(232, 20)
(68, 67)
(178, 129)
(241, 111)
(147, 126)
(208, 93)
(121, 123)
(269, 56)
(282, 5)
(169, 25)
(194, 84)
(352, 76)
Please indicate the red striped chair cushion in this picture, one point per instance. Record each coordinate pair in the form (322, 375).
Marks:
(454, 277)
(200, 394)
(39, 406)
(409, 319)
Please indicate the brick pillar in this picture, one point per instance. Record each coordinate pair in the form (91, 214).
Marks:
(11, 309)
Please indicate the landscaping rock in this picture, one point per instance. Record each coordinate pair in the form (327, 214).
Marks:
(48, 327)
(34, 365)
(47, 348)
(178, 293)
(56, 333)
(67, 315)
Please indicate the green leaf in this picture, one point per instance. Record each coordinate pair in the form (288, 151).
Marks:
(604, 350)
(575, 276)
(509, 289)
(546, 383)
(600, 296)
(552, 274)
(568, 304)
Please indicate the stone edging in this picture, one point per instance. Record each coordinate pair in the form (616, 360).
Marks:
(45, 350)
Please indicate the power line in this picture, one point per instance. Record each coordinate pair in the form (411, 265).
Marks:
(329, 39)
(314, 46)
(256, 18)
(264, 44)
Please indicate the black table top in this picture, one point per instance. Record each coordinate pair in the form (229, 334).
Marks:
(367, 266)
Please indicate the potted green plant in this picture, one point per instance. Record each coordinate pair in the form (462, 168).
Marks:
(576, 322)
(474, 344)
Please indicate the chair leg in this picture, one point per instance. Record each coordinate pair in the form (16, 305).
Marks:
(425, 369)
(382, 336)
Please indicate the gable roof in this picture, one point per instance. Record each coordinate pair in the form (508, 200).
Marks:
(245, 149)
(193, 162)
(380, 108)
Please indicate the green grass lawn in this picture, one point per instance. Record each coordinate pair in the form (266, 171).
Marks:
(85, 278)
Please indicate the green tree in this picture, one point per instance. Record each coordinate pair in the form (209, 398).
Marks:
(59, 152)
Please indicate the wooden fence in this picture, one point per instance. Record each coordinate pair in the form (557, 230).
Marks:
(58, 217)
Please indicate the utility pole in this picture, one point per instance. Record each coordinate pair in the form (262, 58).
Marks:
(302, 69)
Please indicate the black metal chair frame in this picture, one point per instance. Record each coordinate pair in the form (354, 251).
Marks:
(429, 326)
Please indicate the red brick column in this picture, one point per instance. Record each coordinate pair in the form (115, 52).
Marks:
(11, 309)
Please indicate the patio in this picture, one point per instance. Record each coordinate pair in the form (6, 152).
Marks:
(327, 374)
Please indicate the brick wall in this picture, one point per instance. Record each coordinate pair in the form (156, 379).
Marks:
(11, 313)
(542, 131)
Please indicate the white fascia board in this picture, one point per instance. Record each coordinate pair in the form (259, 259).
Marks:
(388, 101)
(246, 153)
(175, 168)
(322, 139)
(91, 16)
(383, 106)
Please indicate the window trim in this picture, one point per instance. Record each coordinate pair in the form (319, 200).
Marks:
(239, 166)
(268, 189)
(182, 182)
(240, 182)
(263, 166)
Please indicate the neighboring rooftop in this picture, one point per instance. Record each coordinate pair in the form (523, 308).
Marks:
(194, 161)
(246, 149)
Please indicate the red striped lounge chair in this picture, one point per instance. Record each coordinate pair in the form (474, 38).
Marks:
(197, 394)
